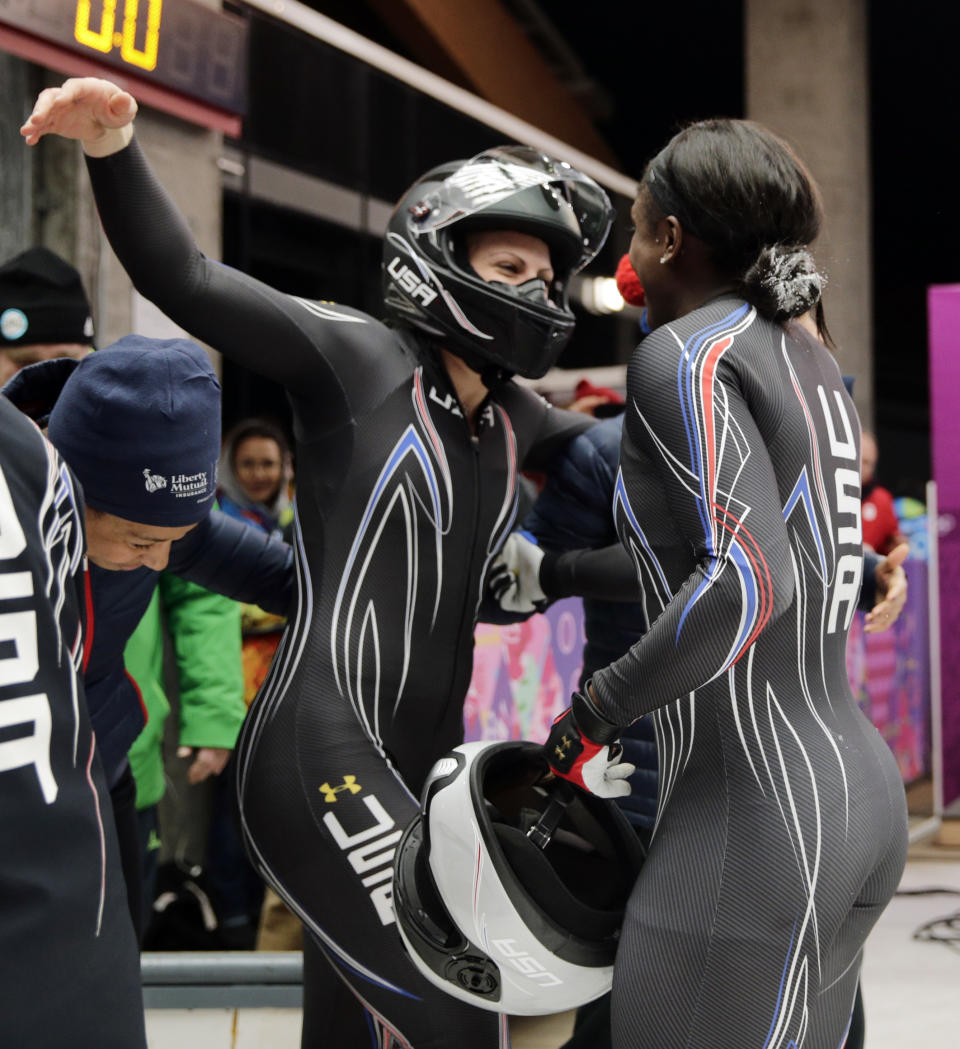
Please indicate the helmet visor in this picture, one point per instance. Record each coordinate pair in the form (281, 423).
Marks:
(495, 175)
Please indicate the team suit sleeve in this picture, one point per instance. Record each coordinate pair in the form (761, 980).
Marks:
(724, 518)
(607, 574)
(573, 522)
(299, 344)
(237, 560)
(868, 586)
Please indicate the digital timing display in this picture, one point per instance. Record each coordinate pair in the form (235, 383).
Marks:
(196, 50)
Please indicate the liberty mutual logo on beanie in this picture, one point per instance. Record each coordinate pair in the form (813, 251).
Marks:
(139, 424)
(154, 483)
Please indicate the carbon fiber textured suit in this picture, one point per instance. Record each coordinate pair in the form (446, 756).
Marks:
(400, 509)
(781, 828)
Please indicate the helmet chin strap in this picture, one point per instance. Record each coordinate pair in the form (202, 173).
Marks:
(542, 831)
(534, 290)
(492, 376)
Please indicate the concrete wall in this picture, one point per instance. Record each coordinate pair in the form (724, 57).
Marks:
(806, 79)
(16, 196)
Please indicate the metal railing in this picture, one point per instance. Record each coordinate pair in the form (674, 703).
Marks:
(222, 979)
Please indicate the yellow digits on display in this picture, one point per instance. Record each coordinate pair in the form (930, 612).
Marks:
(106, 37)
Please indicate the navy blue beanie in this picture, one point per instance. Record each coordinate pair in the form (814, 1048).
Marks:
(139, 424)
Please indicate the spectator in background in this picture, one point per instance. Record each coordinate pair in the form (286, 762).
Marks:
(254, 481)
(256, 474)
(881, 526)
(204, 629)
(599, 401)
(44, 312)
(255, 484)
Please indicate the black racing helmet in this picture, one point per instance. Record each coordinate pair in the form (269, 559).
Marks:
(429, 284)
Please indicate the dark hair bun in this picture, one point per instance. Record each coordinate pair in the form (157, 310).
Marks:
(783, 282)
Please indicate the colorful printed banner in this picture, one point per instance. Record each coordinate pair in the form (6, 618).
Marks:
(890, 677)
(943, 305)
(523, 675)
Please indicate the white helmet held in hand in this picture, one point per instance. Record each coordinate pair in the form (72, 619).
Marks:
(510, 886)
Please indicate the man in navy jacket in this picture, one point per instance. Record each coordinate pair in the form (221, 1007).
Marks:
(69, 967)
(139, 425)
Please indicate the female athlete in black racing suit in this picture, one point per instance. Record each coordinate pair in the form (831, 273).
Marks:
(406, 487)
(781, 828)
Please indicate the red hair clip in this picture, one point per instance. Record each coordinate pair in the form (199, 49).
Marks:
(628, 283)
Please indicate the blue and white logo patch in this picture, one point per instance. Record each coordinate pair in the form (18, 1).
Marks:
(13, 324)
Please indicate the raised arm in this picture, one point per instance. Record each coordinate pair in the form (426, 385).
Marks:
(263, 329)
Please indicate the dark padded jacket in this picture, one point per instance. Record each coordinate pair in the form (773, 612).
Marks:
(573, 512)
(221, 554)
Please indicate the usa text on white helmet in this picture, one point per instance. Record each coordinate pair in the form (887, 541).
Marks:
(491, 916)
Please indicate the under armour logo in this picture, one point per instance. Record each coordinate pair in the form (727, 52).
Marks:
(563, 746)
(330, 793)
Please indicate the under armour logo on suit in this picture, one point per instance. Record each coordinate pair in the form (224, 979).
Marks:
(330, 793)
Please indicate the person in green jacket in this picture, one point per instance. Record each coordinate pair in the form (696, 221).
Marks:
(204, 629)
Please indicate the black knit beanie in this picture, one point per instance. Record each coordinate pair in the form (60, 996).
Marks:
(42, 301)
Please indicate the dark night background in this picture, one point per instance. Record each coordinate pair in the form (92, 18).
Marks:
(652, 74)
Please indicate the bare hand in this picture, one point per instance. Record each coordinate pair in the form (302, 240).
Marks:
(84, 108)
(587, 404)
(891, 589)
(207, 761)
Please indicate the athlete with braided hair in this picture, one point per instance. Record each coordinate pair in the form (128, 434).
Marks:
(781, 828)
(410, 440)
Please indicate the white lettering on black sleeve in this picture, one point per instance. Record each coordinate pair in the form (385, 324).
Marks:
(19, 661)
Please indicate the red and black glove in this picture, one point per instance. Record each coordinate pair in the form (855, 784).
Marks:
(582, 747)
